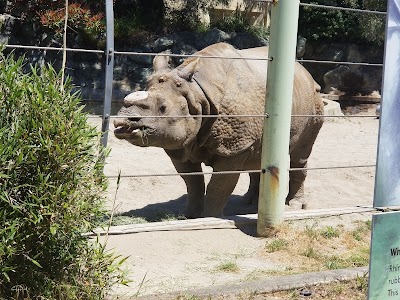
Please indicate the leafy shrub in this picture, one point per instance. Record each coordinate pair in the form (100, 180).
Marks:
(239, 21)
(80, 19)
(51, 190)
(343, 26)
(86, 18)
(187, 15)
(235, 22)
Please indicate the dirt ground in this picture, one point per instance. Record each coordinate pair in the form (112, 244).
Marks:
(173, 261)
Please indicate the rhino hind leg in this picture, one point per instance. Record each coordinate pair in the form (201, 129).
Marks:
(296, 184)
(298, 159)
(251, 196)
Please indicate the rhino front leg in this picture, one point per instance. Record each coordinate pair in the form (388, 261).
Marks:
(195, 187)
(219, 189)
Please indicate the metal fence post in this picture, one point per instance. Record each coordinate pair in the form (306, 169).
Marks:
(109, 72)
(278, 104)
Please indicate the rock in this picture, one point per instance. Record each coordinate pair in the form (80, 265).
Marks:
(345, 80)
(188, 38)
(355, 54)
(246, 40)
(7, 23)
(301, 46)
(163, 43)
(141, 59)
(211, 37)
(181, 48)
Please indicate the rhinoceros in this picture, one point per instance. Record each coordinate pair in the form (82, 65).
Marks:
(196, 97)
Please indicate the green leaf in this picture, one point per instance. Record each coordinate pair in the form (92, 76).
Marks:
(33, 261)
(53, 229)
(6, 276)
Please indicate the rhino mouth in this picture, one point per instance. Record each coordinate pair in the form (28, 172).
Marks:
(132, 131)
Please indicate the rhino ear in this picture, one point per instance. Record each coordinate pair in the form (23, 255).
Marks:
(161, 62)
(188, 69)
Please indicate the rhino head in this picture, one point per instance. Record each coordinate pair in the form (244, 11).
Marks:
(167, 114)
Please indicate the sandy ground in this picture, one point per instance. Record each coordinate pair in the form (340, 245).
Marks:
(170, 261)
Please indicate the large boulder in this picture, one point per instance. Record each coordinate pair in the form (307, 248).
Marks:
(343, 78)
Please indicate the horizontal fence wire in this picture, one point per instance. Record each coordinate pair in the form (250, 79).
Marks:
(54, 49)
(190, 116)
(235, 172)
(247, 58)
(340, 62)
(237, 116)
(187, 55)
(185, 174)
(357, 10)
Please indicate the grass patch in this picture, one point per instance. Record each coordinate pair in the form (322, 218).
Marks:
(163, 216)
(276, 245)
(311, 248)
(311, 232)
(334, 262)
(126, 219)
(362, 228)
(330, 232)
(228, 266)
(310, 252)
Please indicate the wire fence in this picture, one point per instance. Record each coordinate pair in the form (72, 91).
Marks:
(265, 115)
(237, 172)
(356, 10)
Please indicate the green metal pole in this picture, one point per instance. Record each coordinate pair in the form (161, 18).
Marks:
(278, 104)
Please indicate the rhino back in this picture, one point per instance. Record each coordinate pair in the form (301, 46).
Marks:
(259, 67)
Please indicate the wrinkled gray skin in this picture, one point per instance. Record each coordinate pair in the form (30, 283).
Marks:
(211, 87)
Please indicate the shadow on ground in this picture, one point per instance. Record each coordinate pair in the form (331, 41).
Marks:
(175, 209)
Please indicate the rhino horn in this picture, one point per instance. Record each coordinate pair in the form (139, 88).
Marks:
(130, 99)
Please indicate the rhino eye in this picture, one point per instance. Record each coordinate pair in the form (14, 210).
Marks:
(163, 108)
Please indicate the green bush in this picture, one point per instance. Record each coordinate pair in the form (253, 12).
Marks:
(51, 190)
(239, 21)
(45, 18)
(343, 26)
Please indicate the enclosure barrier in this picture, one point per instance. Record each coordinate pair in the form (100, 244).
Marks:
(238, 172)
(110, 53)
